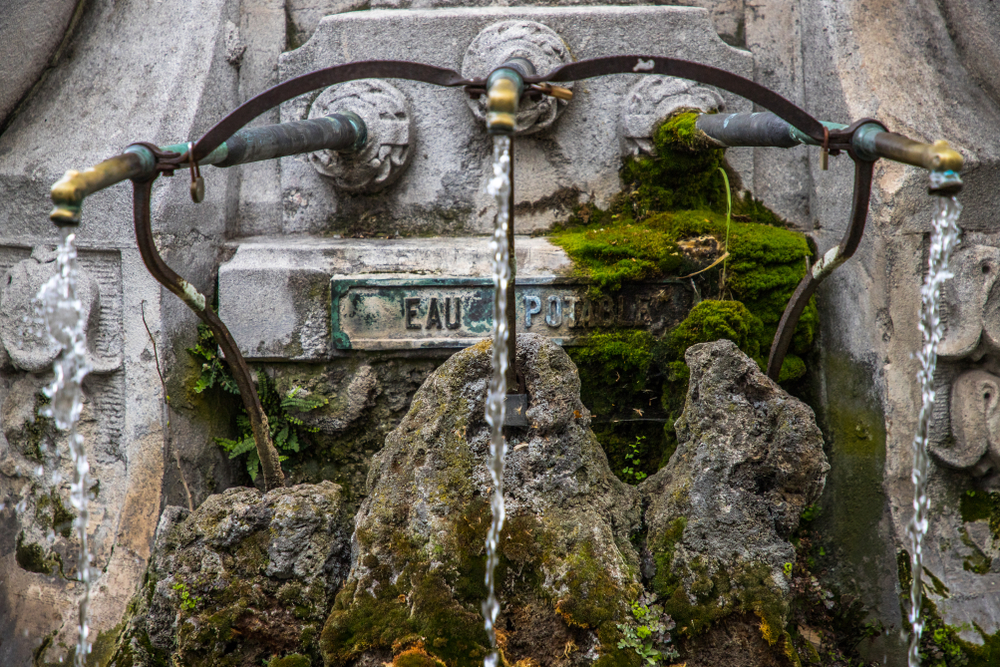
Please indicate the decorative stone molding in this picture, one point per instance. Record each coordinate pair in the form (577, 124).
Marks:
(22, 334)
(533, 41)
(967, 378)
(387, 153)
(655, 98)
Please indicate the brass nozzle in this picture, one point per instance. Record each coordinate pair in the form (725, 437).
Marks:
(501, 106)
(938, 156)
(69, 191)
(504, 87)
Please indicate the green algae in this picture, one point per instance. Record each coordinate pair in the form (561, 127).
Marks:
(977, 505)
(32, 557)
(294, 660)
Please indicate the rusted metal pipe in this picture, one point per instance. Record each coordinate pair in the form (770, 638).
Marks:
(269, 461)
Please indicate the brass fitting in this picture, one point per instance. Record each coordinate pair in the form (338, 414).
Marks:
(503, 95)
(69, 192)
(938, 156)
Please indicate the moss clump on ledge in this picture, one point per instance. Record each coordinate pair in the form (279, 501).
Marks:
(672, 207)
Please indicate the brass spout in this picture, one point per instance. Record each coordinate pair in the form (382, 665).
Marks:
(504, 88)
(69, 192)
(938, 156)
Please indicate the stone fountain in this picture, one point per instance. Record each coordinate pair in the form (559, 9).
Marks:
(291, 243)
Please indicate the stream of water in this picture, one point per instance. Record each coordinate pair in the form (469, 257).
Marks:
(499, 187)
(944, 237)
(61, 313)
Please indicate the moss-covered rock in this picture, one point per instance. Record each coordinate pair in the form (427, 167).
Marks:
(749, 460)
(567, 567)
(677, 216)
(243, 578)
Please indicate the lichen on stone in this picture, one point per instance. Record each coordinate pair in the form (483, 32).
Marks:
(241, 579)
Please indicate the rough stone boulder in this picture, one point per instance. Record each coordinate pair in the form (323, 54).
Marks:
(749, 459)
(418, 560)
(244, 578)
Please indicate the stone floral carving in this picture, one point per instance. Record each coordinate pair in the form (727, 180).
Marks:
(972, 336)
(22, 334)
(390, 132)
(540, 45)
(655, 98)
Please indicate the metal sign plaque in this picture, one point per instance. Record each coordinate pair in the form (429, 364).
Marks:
(393, 314)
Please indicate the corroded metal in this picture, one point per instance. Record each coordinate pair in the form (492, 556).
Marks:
(269, 462)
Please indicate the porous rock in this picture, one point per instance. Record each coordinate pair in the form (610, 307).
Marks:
(567, 566)
(244, 578)
(749, 459)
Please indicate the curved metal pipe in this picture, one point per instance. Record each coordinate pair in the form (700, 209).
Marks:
(269, 461)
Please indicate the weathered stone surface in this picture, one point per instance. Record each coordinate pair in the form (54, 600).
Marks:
(30, 34)
(245, 577)
(133, 71)
(418, 559)
(749, 459)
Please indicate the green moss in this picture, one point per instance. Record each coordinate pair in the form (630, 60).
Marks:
(677, 195)
(978, 505)
(103, 647)
(592, 598)
(50, 512)
(940, 643)
(294, 660)
(36, 430)
(32, 557)
(699, 595)
(976, 561)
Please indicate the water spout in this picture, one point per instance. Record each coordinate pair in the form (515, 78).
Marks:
(62, 314)
(496, 410)
(944, 237)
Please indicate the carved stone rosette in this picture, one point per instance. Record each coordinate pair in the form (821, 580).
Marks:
(389, 122)
(655, 98)
(537, 43)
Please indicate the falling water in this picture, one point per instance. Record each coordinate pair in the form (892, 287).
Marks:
(944, 237)
(61, 312)
(499, 187)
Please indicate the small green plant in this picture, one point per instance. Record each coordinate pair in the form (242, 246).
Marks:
(633, 459)
(188, 602)
(649, 633)
(787, 569)
(811, 512)
(287, 430)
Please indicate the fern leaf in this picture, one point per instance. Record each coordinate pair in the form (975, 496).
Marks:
(253, 465)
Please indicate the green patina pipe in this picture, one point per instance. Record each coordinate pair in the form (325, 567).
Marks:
(870, 142)
(345, 132)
